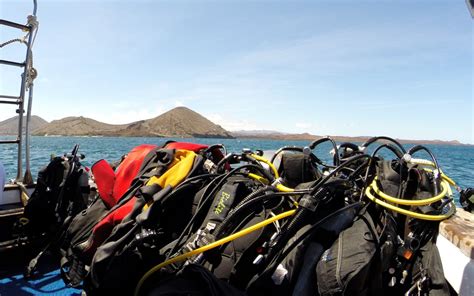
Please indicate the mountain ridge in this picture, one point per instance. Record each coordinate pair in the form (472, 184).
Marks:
(177, 122)
(9, 126)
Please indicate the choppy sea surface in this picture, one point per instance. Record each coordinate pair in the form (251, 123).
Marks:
(456, 161)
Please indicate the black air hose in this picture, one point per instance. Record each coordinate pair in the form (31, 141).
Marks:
(337, 170)
(390, 147)
(374, 139)
(207, 198)
(308, 206)
(437, 175)
(243, 206)
(313, 145)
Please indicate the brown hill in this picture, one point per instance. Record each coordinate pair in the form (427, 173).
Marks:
(76, 126)
(10, 125)
(178, 122)
(184, 122)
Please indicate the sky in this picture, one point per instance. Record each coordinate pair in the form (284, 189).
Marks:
(397, 68)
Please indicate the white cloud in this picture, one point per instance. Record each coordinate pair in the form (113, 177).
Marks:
(240, 125)
(303, 125)
(178, 104)
(232, 124)
(216, 118)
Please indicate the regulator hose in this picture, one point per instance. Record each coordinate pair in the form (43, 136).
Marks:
(409, 202)
(409, 213)
(337, 170)
(375, 139)
(245, 205)
(315, 143)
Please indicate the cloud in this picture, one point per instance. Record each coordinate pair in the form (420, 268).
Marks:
(232, 124)
(354, 47)
(303, 125)
(269, 73)
(178, 104)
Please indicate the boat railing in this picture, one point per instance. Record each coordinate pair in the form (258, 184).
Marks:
(26, 87)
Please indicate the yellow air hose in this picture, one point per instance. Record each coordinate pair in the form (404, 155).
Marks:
(211, 246)
(407, 202)
(279, 187)
(264, 160)
(283, 188)
(412, 214)
(445, 190)
(258, 178)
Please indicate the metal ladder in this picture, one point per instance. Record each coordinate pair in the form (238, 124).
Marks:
(26, 86)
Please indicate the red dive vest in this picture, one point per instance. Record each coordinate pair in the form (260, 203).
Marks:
(112, 186)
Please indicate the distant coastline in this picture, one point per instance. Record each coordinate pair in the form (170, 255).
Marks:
(360, 139)
(179, 122)
(283, 137)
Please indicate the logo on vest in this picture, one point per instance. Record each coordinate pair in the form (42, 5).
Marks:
(221, 205)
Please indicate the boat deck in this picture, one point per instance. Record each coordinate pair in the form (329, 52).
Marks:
(48, 282)
(456, 247)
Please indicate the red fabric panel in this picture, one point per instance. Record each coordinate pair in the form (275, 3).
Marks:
(104, 177)
(128, 169)
(103, 229)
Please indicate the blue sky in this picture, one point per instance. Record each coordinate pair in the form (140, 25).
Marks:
(397, 68)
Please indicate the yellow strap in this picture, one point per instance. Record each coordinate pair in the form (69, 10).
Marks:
(412, 214)
(407, 202)
(178, 170)
(211, 246)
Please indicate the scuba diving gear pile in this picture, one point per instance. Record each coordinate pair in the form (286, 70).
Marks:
(117, 198)
(62, 190)
(192, 219)
(98, 216)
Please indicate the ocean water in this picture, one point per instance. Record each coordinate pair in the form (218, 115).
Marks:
(456, 161)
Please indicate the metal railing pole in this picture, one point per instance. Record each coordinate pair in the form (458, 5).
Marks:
(21, 105)
(28, 179)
